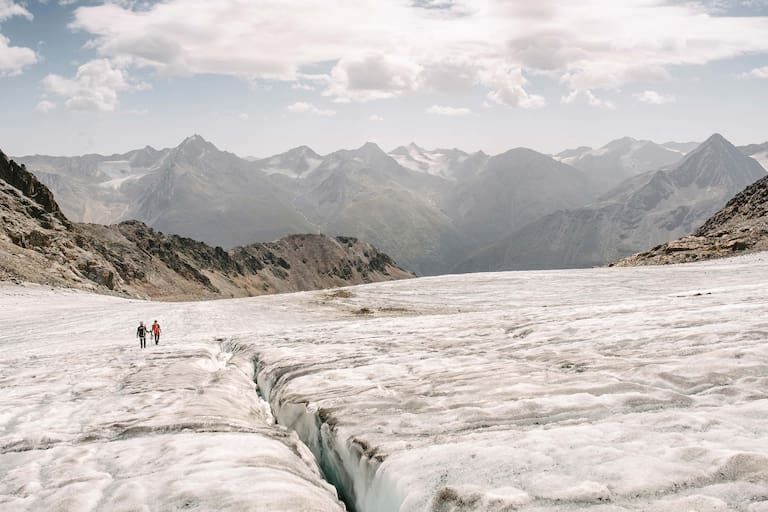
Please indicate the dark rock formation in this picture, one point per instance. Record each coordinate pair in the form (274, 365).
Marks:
(739, 227)
(18, 177)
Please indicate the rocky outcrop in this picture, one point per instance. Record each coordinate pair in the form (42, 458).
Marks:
(38, 244)
(739, 227)
(25, 182)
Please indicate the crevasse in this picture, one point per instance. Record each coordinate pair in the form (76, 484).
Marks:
(361, 480)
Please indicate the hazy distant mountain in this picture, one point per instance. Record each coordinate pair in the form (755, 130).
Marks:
(739, 227)
(451, 164)
(621, 159)
(757, 151)
(193, 190)
(39, 244)
(96, 188)
(365, 192)
(513, 189)
(640, 213)
(212, 195)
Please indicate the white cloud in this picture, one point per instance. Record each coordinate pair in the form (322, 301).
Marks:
(389, 49)
(441, 110)
(374, 77)
(756, 73)
(302, 107)
(45, 106)
(375, 118)
(587, 97)
(10, 9)
(243, 116)
(95, 86)
(13, 59)
(507, 89)
(654, 98)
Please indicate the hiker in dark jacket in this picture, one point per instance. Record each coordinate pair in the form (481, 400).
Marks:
(141, 333)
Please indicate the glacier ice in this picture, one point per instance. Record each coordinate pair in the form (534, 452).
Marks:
(638, 389)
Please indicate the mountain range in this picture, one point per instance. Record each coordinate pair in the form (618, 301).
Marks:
(435, 211)
(39, 244)
(641, 212)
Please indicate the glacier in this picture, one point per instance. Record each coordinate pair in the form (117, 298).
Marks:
(607, 389)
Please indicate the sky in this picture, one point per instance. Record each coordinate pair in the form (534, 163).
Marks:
(257, 77)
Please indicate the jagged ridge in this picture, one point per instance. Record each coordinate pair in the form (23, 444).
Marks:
(39, 244)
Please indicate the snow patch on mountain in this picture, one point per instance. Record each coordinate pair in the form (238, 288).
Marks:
(275, 167)
(438, 162)
(762, 159)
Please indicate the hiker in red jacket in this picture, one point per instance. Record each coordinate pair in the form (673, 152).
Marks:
(155, 330)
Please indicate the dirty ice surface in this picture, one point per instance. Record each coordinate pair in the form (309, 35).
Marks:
(89, 422)
(639, 389)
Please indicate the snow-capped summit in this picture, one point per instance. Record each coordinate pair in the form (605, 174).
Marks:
(294, 163)
(681, 147)
(619, 159)
(569, 155)
(445, 163)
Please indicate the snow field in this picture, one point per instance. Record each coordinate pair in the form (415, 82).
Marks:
(606, 390)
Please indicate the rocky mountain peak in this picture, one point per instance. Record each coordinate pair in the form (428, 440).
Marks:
(520, 154)
(716, 138)
(301, 152)
(195, 147)
(621, 144)
(370, 152)
(716, 143)
(370, 148)
(18, 177)
(717, 162)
